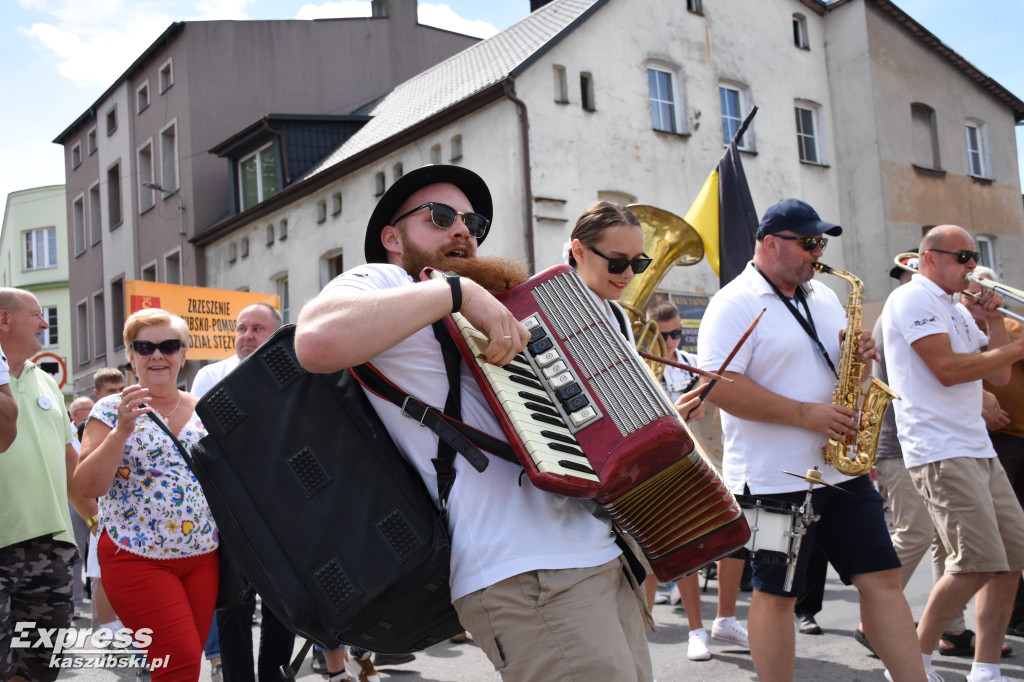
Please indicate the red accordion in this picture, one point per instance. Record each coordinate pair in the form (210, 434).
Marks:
(586, 419)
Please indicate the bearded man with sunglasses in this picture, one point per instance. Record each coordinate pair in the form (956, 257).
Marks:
(937, 357)
(777, 417)
(536, 578)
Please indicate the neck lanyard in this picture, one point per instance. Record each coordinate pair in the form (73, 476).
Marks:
(806, 323)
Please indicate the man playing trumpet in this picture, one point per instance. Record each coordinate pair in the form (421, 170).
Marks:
(937, 357)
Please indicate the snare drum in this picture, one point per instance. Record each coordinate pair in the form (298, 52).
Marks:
(773, 535)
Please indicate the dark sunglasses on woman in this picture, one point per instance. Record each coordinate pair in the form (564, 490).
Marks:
(147, 348)
(619, 265)
(961, 256)
(443, 216)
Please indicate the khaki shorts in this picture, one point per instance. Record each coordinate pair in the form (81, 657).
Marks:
(975, 512)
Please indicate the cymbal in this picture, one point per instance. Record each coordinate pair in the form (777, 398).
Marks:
(813, 476)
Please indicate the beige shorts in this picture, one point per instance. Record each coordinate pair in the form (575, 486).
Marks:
(975, 512)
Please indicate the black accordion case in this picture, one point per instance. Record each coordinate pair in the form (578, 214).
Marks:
(324, 517)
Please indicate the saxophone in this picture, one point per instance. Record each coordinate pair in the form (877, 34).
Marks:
(871, 405)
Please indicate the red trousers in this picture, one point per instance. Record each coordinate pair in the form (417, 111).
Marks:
(174, 598)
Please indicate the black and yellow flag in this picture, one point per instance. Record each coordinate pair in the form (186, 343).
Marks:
(723, 213)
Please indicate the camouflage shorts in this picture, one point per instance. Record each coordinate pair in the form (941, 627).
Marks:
(35, 586)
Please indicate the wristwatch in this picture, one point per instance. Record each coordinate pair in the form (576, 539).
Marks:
(456, 286)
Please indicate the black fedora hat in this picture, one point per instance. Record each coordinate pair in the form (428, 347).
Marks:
(471, 184)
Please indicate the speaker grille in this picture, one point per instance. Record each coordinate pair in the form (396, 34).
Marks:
(335, 583)
(308, 470)
(280, 361)
(226, 411)
(399, 535)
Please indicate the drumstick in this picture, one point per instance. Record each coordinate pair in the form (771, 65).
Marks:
(707, 388)
(695, 370)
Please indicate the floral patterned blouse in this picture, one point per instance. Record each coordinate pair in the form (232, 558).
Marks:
(155, 507)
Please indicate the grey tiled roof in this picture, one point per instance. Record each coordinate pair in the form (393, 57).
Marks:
(471, 71)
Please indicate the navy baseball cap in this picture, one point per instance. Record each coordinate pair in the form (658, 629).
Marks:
(796, 216)
(471, 184)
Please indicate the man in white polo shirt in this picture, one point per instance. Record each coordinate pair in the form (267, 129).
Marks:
(937, 357)
(777, 417)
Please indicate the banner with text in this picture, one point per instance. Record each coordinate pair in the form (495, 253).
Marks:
(210, 313)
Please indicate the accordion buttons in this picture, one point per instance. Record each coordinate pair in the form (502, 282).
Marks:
(538, 347)
(546, 358)
(581, 417)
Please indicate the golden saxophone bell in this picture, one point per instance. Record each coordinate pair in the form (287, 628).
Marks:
(669, 241)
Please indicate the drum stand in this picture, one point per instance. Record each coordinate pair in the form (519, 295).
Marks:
(805, 516)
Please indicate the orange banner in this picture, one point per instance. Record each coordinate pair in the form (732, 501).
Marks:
(210, 313)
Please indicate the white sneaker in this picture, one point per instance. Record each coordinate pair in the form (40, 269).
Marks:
(361, 667)
(673, 595)
(730, 630)
(697, 648)
(1001, 678)
(660, 598)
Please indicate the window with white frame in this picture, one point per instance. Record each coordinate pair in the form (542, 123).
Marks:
(50, 336)
(82, 322)
(396, 172)
(99, 325)
(257, 176)
(587, 92)
(111, 120)
(41, 247)
(336, 199)
(244, 245)
(142, 97)
(282, 230)
(90, 141)
(977, 158)
(270, 234)
(149, 272)
(985, 246)
(166, 75)
(76, 155)
(321, 211)
(925, 136)
(561, 84)
(172, 267)
(666, 99)
(78, 225)
(734, 102)
(435, 154)
(808, 133)
(800, 31)
(332, 264)
(456, 145)
(695, 6)
(232, 252)
(379, 183)
(147, 196)
(282, 292)
(114, 195)
(169, 157)
(95, 214)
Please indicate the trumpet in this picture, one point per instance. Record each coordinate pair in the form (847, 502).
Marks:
(908, 261)
(1005, 291)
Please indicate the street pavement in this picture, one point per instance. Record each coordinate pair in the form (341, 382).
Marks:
(834, 656)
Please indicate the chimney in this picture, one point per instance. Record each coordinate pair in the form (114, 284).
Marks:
(537, 4)
(396, 9)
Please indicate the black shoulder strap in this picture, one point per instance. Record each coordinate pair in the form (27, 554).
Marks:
(174, 439)
(444, 463)
(624, 326)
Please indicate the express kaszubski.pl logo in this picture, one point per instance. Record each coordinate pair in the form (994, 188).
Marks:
(89, 648)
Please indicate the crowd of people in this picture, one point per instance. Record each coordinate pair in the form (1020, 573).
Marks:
(542, 583)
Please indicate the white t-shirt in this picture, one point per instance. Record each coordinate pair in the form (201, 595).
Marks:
(208, 376)
(500, 524)
(934, 422)
(676, 380)
(780, 356)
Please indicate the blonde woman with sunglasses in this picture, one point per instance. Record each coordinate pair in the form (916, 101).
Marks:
(158, 542)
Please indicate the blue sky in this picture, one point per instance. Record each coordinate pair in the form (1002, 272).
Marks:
(58, 56)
